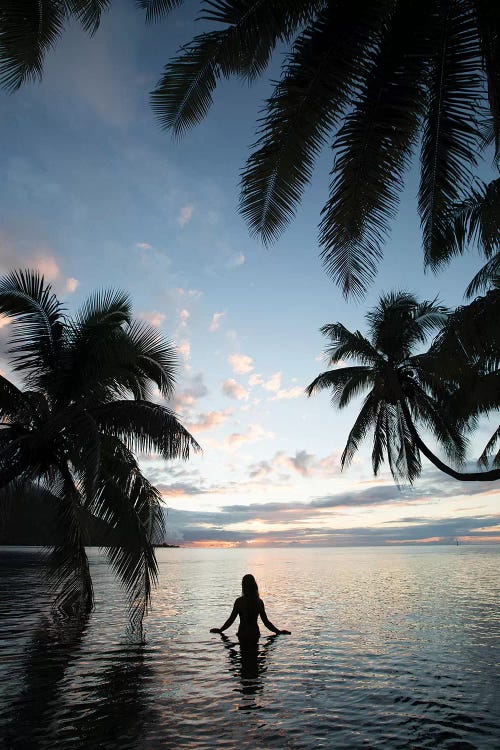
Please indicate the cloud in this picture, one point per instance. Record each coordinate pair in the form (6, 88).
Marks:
(274, 383)
(215, 322)
(188, 396)
(185, 214)
(303, 463)
(209, 420)
(184, 348)
(47, 265)
(232, 389)
(252, 434)
(240, 363)
(288, 393)
(255, 379)
(184, 316)
(179, 489)
(236, 260)
(72, 285)
(152, 317)
(143, 245)
(217, 527)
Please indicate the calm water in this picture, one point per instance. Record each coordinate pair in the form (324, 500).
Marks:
(390, 648)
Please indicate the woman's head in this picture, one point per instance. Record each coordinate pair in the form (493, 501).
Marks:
(249, 586)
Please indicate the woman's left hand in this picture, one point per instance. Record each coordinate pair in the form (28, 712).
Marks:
(215, 630)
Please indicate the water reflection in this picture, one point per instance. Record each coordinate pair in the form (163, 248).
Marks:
(112, 710)
(249, 664)
(53, 647)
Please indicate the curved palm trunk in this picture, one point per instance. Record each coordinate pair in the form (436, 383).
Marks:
(466, 476)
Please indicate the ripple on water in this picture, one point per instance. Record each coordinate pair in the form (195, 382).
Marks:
(390, 649)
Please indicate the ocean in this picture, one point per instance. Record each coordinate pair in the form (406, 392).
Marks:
(390, 648)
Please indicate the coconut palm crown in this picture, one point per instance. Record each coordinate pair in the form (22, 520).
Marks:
(404, 393)
(71, 424)
(372, 79)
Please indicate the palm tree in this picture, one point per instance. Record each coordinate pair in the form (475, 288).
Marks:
(403, 390)
(71, 424)
(467, 354)
(371, 79)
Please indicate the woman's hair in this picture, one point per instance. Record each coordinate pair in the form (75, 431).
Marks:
(249, 586)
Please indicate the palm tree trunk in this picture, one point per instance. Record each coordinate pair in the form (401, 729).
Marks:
(466, 476)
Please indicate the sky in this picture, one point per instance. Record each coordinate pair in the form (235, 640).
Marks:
(95, 195)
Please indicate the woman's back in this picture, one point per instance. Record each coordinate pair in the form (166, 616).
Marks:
(248, 610)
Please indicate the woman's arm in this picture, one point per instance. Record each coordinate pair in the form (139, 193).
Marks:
(267, 622)
(229, 621)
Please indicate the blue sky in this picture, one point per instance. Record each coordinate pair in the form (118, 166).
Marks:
(96, 195)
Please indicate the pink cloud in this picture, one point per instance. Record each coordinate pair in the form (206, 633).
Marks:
(208, 421)
(184, 348)
(288, 393)
(72, 285)
(232, 389)
(153, 317)
(240, 363)
(184, 316)
(236, 260)
(215, 322)
(185, 215)
(47, 265)
(274, 383)
(255, 379)
(253, 434)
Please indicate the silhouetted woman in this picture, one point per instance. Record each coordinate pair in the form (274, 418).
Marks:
(249, 606)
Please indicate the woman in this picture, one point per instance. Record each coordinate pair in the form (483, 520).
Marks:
(249, 606)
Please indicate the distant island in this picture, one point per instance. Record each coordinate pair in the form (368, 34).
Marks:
(164, 544)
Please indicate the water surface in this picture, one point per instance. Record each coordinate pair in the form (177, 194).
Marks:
(390, 648)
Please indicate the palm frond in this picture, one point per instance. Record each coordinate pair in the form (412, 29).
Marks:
(88, 12)
(488, 23)
(157, 8)
(130, 505)
(321, 73)
(157, 359)
(407, 465)
(445, 430)
(346, 345)
(487, 277)
(345, 383)
(69, 565)
(366, 420)
(183, 95)
(451, 133)
(37, 324)
(28, 30)
(105, 307)
(373, 149)
(487, 455)
(379, 438)
(146, 426)
(475, 221)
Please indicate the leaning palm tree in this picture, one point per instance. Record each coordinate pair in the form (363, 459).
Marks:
(71, 422)
(404, 393)
(370, 78)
